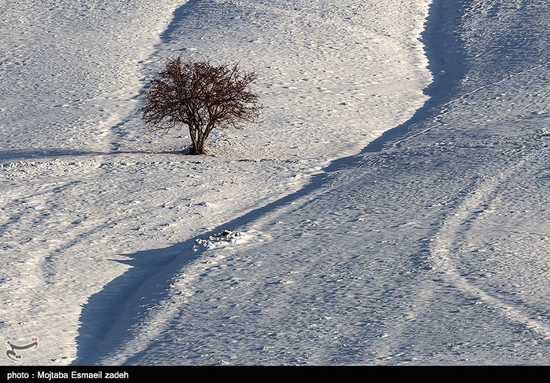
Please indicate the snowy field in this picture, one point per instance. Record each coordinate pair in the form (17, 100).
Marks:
(388, 208)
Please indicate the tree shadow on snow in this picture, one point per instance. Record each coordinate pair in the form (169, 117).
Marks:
(108, 315)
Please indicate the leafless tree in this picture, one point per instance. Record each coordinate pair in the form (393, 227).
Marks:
(202, 96)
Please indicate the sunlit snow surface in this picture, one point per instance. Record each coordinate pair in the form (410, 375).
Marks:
(289, 243)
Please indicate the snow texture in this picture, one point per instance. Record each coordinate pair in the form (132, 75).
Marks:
(389, 207)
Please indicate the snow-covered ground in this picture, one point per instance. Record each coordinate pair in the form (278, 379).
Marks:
(88, 195)
(361, 221)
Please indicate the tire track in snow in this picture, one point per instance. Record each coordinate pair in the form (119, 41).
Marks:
(446, 242)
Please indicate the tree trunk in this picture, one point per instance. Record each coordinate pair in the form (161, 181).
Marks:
(193, 135)
(200, 146)
(200, 142)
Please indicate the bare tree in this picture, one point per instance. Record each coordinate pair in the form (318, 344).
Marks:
(202, 96)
